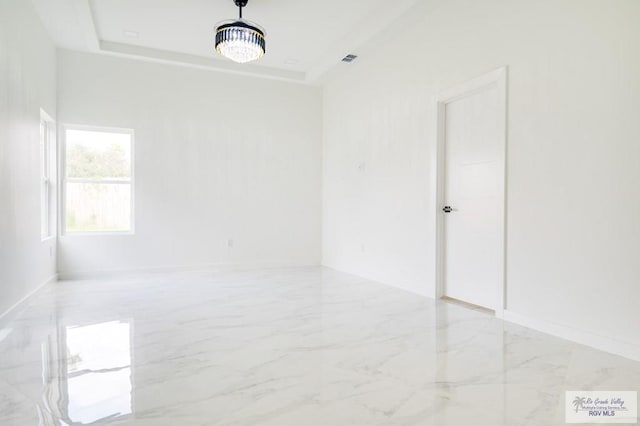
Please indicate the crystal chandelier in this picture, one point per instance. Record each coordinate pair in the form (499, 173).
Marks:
(240, 40)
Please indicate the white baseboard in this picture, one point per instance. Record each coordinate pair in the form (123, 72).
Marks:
(603, 343)
(115, 273)
(12, 309)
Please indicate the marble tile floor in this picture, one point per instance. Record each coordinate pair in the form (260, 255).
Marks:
(300, 346)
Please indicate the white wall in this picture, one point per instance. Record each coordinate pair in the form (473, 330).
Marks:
(573, 153)
(27, 83)
(218, 157)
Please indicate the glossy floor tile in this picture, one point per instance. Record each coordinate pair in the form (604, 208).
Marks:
(306, 346)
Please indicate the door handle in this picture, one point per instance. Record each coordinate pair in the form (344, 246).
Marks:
(447, 209)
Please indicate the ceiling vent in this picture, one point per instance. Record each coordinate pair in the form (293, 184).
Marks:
(349, 58)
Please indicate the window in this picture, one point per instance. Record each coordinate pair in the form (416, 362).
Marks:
(47, 175)
(98, 180)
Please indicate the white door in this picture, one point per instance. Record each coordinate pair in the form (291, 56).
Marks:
(474, 144)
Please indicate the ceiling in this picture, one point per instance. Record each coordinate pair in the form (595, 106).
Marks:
(305, 39)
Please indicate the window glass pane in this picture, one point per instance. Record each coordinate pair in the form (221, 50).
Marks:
(97, 207)
(44, 215)
(98, 155)
(46, 153)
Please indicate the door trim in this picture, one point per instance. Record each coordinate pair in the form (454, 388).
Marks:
(496, 77)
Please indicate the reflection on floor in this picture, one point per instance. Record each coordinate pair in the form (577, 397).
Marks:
(98, 371)
(305, 346)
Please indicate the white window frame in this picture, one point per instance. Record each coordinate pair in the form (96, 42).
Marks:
(47, 176)
(64, 180)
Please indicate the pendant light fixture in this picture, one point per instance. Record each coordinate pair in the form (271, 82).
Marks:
(240, 40)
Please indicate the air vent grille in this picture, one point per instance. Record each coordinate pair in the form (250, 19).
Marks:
(349, 58)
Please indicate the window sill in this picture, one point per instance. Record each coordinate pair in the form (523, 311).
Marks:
(97, 234)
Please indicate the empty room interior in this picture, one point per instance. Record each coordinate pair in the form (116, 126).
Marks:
(279, 212)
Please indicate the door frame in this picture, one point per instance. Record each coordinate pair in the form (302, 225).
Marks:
(496, 77)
